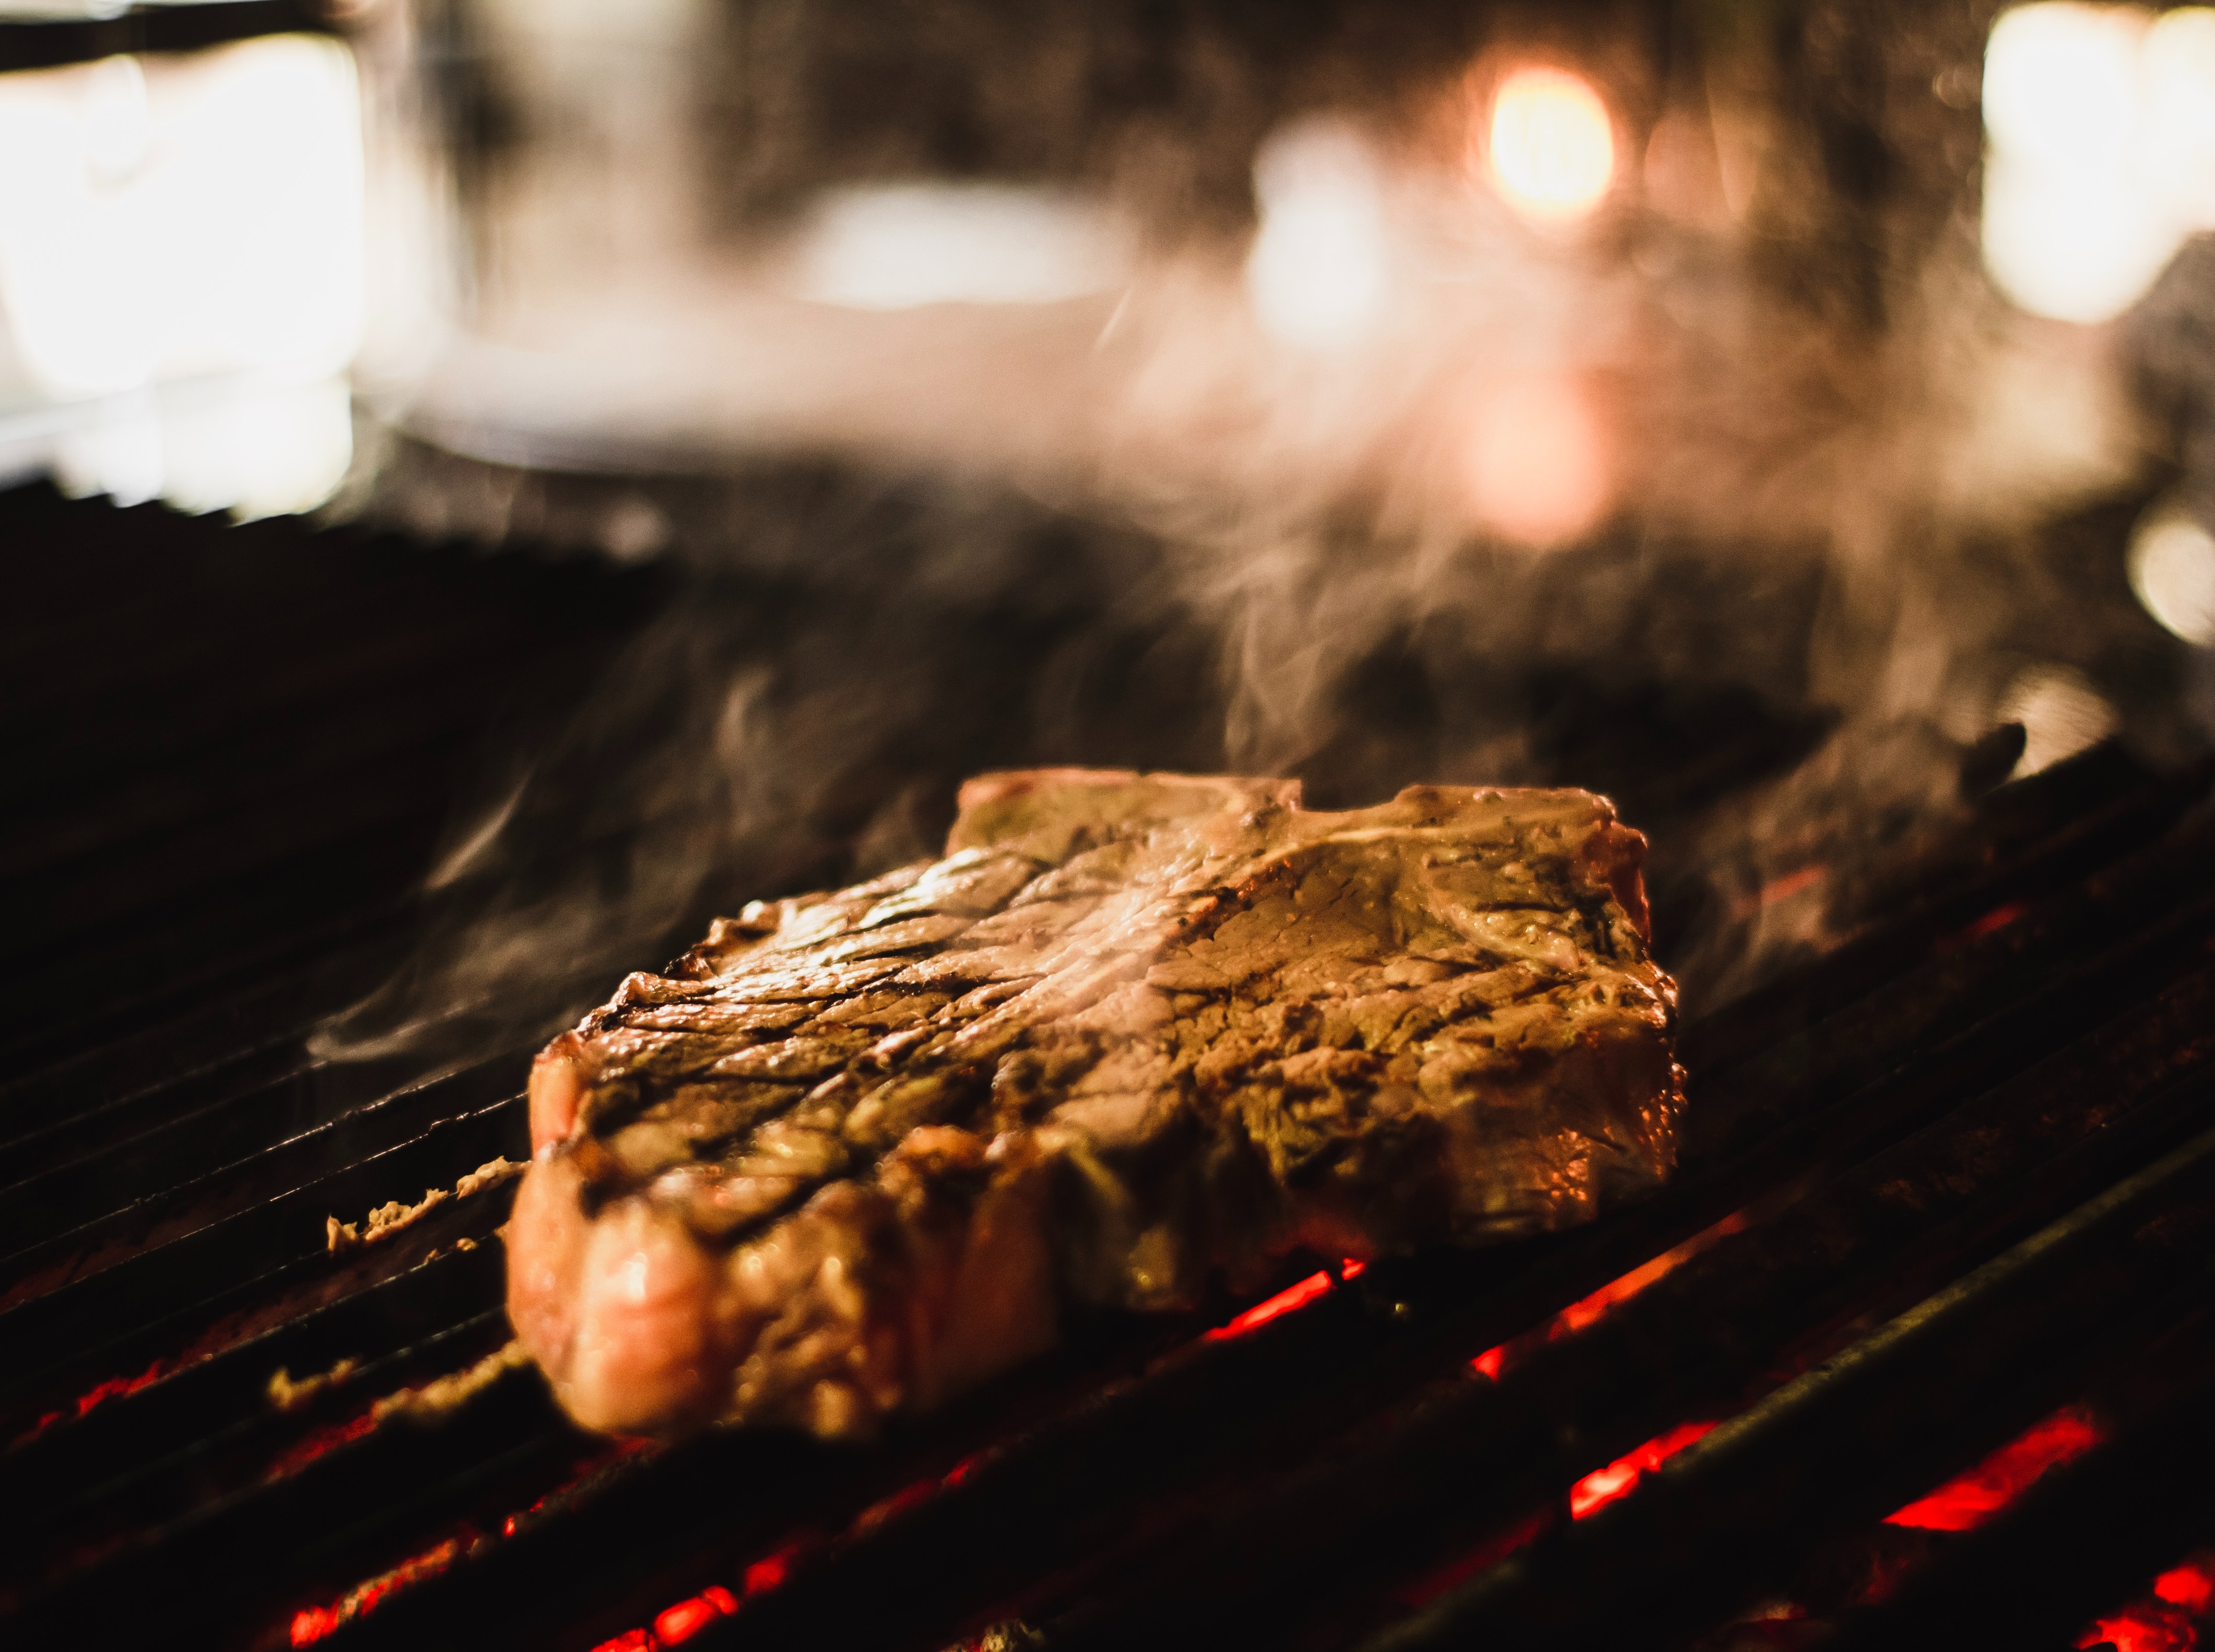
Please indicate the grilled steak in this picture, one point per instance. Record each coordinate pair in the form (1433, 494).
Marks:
(853, 1152)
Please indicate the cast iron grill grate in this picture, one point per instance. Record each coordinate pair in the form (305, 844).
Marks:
(1944, 1187)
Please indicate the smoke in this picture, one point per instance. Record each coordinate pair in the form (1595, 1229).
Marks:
(1747, 503)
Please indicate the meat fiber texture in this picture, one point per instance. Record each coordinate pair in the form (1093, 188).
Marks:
(858, 1151)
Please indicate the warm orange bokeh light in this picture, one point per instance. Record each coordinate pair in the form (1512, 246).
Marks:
(1538, 466)
(1551, 143)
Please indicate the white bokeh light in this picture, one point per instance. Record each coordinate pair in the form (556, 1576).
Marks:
(2061, 83)
(2172, 567)
(898, 245)
(1550, 144)
(184, 216)
(263, 452)
(2177, 75)
(1319, 274)
(2101, 122)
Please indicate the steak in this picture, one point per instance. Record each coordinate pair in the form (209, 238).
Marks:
(858, 1151)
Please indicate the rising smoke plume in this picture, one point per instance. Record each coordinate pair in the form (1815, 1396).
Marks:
(1746, 502)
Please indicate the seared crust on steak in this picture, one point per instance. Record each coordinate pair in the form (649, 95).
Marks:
(852, 1153)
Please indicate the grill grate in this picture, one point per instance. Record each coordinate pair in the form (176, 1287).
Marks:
(1950, 1180)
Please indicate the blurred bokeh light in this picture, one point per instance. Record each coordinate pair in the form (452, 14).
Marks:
(2100, 121)
(1550, 144)
(1318, 273)
(894, 247)
(1537, 459)
(2172, 564)
(189, 220)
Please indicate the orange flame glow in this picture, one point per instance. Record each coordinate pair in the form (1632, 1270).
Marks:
(1619, 1478)
(1967, 1501)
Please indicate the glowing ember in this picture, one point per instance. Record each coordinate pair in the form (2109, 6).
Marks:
(1575, 1317)
(562, 1496)
(1293, 1296)
(117, 1387)
(2191, 1586)
(1606, 1486)
(1552, 145)
(1963, 1504)
(1483, 1558)
(962, 1469)
(2147, 1627)
(1995, 921)
(771, 1571)
(311, 1624)
(2162, 1621)
(323, 1440)
(114, 1388)
(1583, 1311)
(900, 1502)
(687, 1617)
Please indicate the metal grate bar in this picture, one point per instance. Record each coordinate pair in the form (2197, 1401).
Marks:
(120, 1234)
(131, 1433)
(115, 1317)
